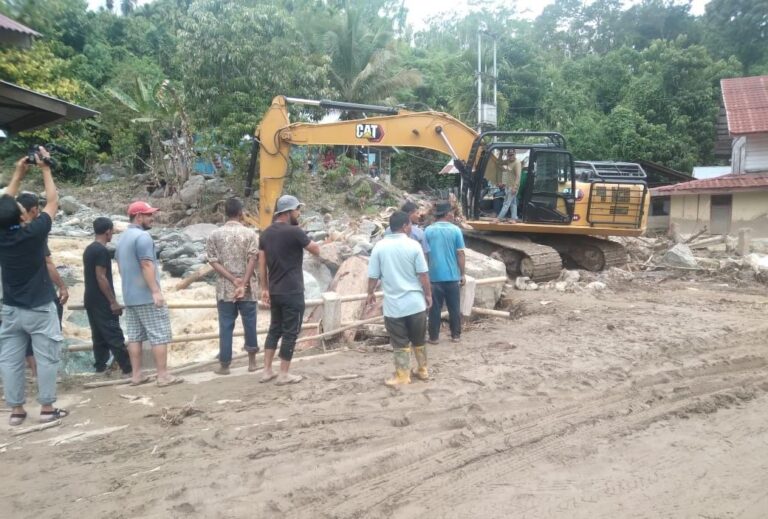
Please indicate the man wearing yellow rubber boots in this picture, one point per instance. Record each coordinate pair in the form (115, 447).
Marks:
(399, 263)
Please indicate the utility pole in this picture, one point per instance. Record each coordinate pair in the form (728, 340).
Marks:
(480, 79)
(486, 116)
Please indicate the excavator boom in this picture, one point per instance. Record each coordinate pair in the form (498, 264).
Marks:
(275, 136)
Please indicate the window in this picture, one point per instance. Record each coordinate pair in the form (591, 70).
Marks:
(660, 206)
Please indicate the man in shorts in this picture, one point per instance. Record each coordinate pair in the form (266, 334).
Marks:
(146, 314)
(398, 261)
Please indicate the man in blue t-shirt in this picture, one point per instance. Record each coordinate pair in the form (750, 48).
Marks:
(446, 271)
(146, 314)
(398, 262)
(28, 310)
(417, 233)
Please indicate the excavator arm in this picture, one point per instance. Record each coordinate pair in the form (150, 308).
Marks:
(275, 136)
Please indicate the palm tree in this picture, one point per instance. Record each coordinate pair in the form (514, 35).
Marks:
(365, 65)
(159, 106)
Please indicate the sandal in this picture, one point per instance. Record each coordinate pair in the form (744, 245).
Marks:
(172, 381)
(17, 419)
(143, 380)
(288, 379)
(52, 416)
(268, 378)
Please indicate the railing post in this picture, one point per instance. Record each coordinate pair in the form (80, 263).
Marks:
(745, 240)
(468, 296)
(331, 311)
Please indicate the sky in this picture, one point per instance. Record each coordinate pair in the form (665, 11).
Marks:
(419, 11)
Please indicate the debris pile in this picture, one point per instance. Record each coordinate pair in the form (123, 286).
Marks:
(728, 258)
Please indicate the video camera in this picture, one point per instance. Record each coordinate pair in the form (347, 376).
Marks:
(51, 147)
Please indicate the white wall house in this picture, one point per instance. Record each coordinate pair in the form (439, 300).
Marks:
(739, 199)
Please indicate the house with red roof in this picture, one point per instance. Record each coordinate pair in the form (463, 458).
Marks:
(738, 199)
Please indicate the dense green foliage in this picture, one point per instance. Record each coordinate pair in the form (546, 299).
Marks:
(621, 84)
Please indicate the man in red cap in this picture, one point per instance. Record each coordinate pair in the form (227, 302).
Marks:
(146, 313)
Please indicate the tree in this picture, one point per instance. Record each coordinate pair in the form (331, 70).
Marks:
(159, 106)
(365, 60)
(739, 28)
(235, 57)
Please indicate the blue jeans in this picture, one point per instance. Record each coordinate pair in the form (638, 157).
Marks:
(41, 325)
(448, 292)
(227, 316)
(510, 204)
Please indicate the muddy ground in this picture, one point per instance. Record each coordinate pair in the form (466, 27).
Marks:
(647, 400)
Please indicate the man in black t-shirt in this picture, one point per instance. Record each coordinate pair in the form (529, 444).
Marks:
(28, 295)
(100, 302)
(282, 284)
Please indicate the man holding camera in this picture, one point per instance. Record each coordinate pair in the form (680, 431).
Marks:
(29, 311)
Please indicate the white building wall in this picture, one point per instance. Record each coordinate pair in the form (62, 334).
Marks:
(756, 153)
(737, 154)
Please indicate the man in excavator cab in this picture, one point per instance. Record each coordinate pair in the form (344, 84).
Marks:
(510, 182)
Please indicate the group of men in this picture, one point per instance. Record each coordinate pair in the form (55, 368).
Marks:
(419, 271)
(234, 251)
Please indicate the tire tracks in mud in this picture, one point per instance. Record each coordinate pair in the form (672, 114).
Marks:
(448, 472)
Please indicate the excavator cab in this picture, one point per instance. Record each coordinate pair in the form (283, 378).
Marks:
(547, 190)
(548, 195)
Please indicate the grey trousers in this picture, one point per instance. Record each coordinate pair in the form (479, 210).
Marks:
(41, 324)
(510, 204)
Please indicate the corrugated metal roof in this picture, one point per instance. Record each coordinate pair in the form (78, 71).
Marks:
(746, 104)
(10, 25)
(726, 183)
(25, 109)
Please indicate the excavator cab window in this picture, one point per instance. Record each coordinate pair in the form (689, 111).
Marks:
(548, 193)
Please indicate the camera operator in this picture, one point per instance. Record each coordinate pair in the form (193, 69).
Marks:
(29, 311)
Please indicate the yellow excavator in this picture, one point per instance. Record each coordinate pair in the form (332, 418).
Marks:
(562, 214)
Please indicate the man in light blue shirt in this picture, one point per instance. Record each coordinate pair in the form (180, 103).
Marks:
(446, 271)
(399, 263)
(146, 314)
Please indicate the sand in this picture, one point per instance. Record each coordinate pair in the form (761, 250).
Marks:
(647, 400)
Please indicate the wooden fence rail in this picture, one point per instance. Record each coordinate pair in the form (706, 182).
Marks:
(331, 322)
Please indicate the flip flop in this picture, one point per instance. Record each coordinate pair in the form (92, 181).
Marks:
(269, 378)
(169, 382)
(52, 416)
(143, 380)
(17, 419)
(289, 379)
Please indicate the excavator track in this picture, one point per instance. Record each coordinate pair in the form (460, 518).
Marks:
(590, 253)
(534, 260)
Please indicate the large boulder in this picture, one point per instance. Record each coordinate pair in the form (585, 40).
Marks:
(179, 266)
(480, 266)
(312, 289)
(758, 262)
(680, 256)
(187, 249)
(69, 205)
(216, 186)
(192, 190)
(199, 231)
(319, 271)
(332, 254)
